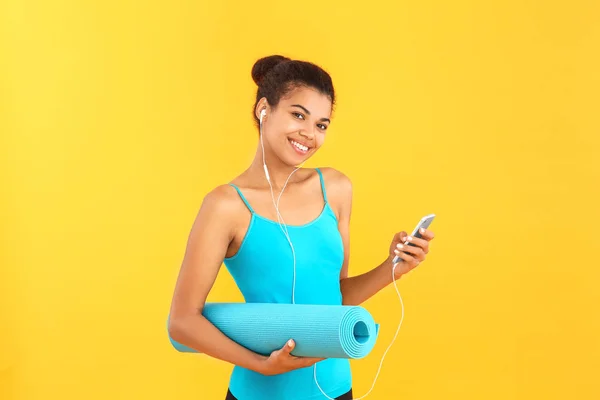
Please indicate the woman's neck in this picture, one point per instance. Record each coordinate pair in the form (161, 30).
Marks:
(279, 172)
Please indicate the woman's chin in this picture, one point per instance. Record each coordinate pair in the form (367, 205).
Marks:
(298, 160)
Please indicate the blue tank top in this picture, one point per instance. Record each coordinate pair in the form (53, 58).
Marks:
(263, 271)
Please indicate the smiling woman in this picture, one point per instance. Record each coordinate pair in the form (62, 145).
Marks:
(298, 98)
(241, 225)
(295, 99)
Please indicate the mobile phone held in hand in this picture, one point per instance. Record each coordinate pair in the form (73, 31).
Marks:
(423, 223)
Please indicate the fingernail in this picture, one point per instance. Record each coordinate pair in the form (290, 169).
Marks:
(409, 238)
(397, 252)
(289, 343)
(399, 246)
(422, 230)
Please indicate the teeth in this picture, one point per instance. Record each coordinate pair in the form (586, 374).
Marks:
(298, 145)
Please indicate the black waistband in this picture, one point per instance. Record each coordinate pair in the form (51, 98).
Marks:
(345, 396)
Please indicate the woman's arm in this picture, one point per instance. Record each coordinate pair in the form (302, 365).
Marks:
(207, 245)
(357, 289)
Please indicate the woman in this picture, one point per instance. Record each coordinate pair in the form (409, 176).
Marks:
(237, 225)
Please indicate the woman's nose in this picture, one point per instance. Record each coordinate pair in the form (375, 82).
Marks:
(307, 134)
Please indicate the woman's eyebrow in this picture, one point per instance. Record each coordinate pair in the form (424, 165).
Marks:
(308, 112)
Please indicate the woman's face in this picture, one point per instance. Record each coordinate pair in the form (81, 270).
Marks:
(296, 128)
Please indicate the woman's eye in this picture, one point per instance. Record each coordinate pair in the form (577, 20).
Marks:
(321, 126)
(298, 115)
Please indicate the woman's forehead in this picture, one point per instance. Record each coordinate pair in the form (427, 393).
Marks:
(315, 101)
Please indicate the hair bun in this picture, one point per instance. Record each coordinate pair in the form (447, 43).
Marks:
(264, 65)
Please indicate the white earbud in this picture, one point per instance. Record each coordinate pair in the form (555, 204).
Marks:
(262, 114)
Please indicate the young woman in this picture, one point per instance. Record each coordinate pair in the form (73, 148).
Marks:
(237, 225)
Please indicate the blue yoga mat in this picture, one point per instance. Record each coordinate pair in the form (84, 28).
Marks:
(327, 331)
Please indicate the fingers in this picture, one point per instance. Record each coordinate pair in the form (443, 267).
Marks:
(285, 350)
(400, 237)
(426, 234)
(289, 346)
(411, 250)
(418, 242)
(415, 251)
(411, 260)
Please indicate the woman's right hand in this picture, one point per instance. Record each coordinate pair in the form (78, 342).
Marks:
(281, 360)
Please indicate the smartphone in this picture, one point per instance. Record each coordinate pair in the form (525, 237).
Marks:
(423, 223)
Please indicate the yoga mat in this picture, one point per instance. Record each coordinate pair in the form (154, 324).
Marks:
(328, 331)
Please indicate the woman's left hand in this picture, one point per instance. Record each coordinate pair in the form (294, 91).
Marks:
(416, 254)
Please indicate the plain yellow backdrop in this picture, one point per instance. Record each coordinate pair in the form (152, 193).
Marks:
(117, 117)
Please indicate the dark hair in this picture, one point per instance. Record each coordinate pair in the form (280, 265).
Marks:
(278, 75)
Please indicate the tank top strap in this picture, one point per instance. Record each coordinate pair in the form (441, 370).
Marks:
(242, 197)
(322, 184)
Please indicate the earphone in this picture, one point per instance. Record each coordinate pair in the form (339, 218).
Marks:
(285, 232)
(262, 115)
(279, 216)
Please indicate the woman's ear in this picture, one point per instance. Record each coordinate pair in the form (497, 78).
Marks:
(262, 105)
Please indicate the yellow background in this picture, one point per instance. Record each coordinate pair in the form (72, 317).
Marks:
(117, 117)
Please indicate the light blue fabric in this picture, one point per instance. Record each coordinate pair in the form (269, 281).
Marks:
(327, 331)
(263, 270)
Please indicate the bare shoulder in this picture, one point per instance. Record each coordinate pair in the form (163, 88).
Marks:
(336, 182)
(339, 191)
(220, 205)
(221, 199)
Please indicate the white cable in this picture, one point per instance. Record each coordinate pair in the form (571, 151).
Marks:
(386, 350)
(279, 216)
(286, 233)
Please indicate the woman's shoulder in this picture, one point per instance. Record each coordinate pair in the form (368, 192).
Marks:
(223, 192)
(222, 200)
(336, 180)
(339, 191)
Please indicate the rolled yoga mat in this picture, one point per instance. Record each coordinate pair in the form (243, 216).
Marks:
(327, 331)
